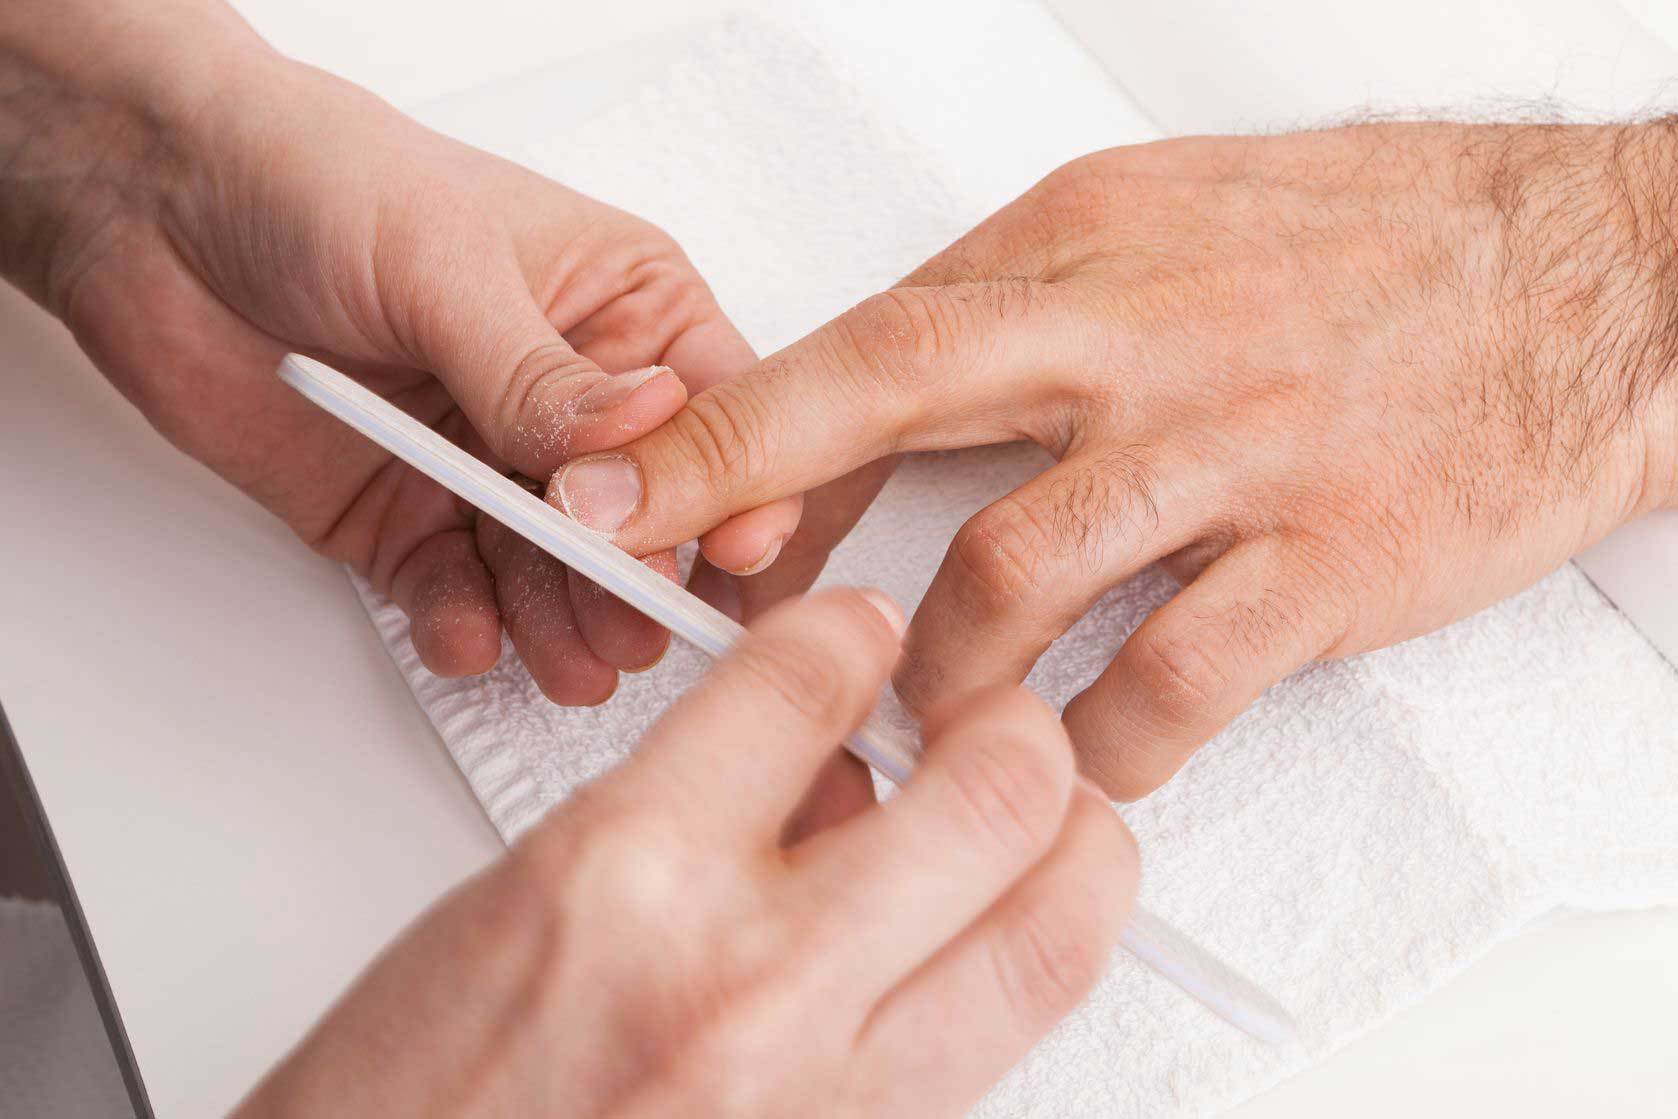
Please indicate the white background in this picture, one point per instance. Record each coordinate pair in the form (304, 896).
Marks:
(251, 804)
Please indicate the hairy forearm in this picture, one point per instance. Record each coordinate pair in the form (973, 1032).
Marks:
(96, 100)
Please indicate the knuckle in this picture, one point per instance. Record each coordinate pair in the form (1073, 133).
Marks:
(1011, 788)
(616, 860)
(903, 332)
(722, 435)
(1115, 498)
(1181, 679)
(531, 409)
(1082, 192)
(1014, 548)
(1005, 550)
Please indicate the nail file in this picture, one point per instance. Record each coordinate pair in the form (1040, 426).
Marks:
(889, 749)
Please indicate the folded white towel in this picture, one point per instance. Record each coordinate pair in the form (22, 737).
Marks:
(1363, 832)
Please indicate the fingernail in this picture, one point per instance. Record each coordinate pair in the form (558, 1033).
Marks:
(615, 390)
(600, 493)
(768, 556)
(889, 610)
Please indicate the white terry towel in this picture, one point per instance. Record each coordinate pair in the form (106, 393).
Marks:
(1366, 830)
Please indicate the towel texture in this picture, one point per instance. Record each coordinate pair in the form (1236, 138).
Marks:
(1360, 834)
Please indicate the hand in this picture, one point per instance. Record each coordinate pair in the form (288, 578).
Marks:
(652, 948)
(193, 206)
(1347, 386)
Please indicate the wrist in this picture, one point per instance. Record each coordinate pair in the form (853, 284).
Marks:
(1588, 278)
(95, 130)
(1646, 174)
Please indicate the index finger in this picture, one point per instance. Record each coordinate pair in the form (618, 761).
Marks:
(909, 369)
(770, 714)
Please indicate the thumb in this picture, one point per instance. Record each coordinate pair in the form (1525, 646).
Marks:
(535, 401)
(907, 370)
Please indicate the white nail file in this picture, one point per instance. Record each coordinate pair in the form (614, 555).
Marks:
(887, 748)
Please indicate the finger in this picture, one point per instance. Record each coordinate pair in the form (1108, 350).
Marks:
(635, 329)
(666, 315)
(986, 803)
(1021, 571)
(910, 369)
(449, 598)
(769, 715)
(951, 1030)
(843, 788)
(534, 399)
(749, 542)
(534, 599)
(1251, 618)
(416, 545)
(618, 633)
(829, 513)
(707, 352)
(710, 352)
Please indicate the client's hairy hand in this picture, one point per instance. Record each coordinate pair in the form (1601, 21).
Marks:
(1347, 386)
(193, 206)
(655, 947)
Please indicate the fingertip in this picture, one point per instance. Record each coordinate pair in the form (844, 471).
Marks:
(615, 410)
(599, 492)
(742, 552)
(852, 627)
(566, 671)
(750, 542)
(602, 694)
(584, 682)
(1113, 759)
(450, 601)
(615, 631)
(457, 640)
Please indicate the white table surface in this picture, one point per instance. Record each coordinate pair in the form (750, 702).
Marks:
(250, 803)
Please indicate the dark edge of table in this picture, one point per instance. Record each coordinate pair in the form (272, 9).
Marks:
(76, 921)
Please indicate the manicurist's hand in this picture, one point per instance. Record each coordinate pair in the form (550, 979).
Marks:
(1348, 386)
(656, 947)
(192, 205)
